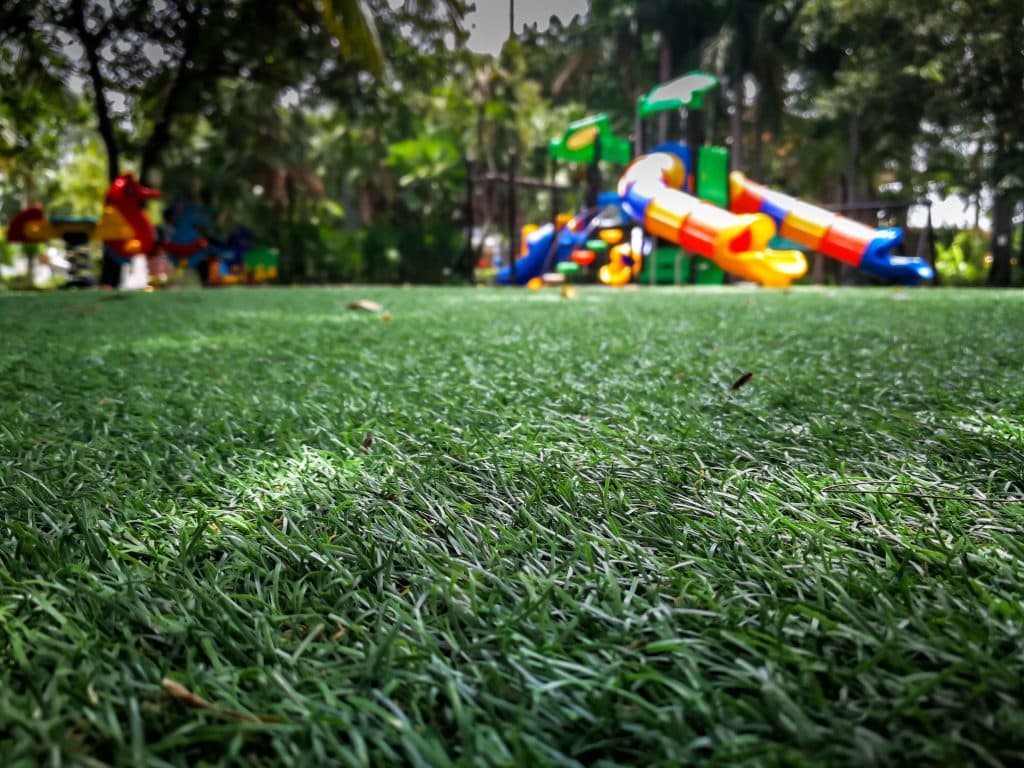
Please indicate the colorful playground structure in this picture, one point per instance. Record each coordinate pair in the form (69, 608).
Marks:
(689, 199)
(126, 231)
(123, 226)
(574, 246)
(236, 260)
(829, 233)
(596, 239)
(651, 195)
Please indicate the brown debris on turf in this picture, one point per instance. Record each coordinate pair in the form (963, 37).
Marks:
(365, 305)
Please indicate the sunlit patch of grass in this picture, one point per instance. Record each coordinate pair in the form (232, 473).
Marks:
(504, 528)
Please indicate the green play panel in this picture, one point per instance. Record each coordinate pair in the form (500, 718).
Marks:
(708, 273)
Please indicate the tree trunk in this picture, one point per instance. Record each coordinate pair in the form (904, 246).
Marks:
(736, 124)
(90, 43)
(1002, 239)
(469, 258)
(976, 175)
(28, 190)
(1020, 250)
(110, 267)
(481, 146)
(664, 74)
(627, 61)
(757, 153)
(161, 135)
(853, 158)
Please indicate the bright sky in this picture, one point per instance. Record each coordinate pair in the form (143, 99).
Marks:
(952, 211)
(488, 24)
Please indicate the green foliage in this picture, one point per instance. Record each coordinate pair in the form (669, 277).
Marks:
(965, 261)
(81, 181)
(422, 159)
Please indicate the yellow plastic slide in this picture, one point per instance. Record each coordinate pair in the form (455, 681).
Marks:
(737, 243)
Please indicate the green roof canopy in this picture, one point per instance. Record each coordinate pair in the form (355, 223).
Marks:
(577, 143)
(686, 91)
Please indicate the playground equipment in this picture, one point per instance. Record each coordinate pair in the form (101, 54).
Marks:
(184, 241)
(512, 182)
(230, 262)
(836, 236)
(734, 241)
(662, 192)
(587, 241)
(738, 244)
(126, 232)
(622, 266)
(595, 238)
(591, 140)
(123, 226)
(669, 261)
(684, 194)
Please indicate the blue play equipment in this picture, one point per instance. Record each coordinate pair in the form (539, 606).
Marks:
(538, 247)
(187, 225)
(544, 253)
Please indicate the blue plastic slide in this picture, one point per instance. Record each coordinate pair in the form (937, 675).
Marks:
(538, 244)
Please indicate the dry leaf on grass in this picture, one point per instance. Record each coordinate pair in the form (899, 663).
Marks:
(364, 305)
(182, 694)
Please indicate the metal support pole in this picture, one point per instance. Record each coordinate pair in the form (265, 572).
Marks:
(638, 132)
(818, 270)
(513, 240)
(470, 254)
(594, 175)
(695, 140)
(554, 193)
(553, 248)
(930, 234)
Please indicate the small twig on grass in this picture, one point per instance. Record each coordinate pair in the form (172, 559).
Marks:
(741, 381)
(853, 487)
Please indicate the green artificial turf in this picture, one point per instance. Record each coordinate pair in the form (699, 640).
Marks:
(502, 528)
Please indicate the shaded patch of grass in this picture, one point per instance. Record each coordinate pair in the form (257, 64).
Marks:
(503, 528)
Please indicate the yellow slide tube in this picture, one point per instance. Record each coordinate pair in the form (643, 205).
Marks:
(737, 244)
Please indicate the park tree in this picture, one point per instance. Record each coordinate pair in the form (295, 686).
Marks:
(35, 107)
(753, 50)
(310, 157)
(145, 64)
(977, 51)
(866, 81)
(235, 103)
(938, 92)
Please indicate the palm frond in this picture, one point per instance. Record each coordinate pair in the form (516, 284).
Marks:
(352, 25)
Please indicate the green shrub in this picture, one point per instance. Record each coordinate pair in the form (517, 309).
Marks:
(965, 261)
